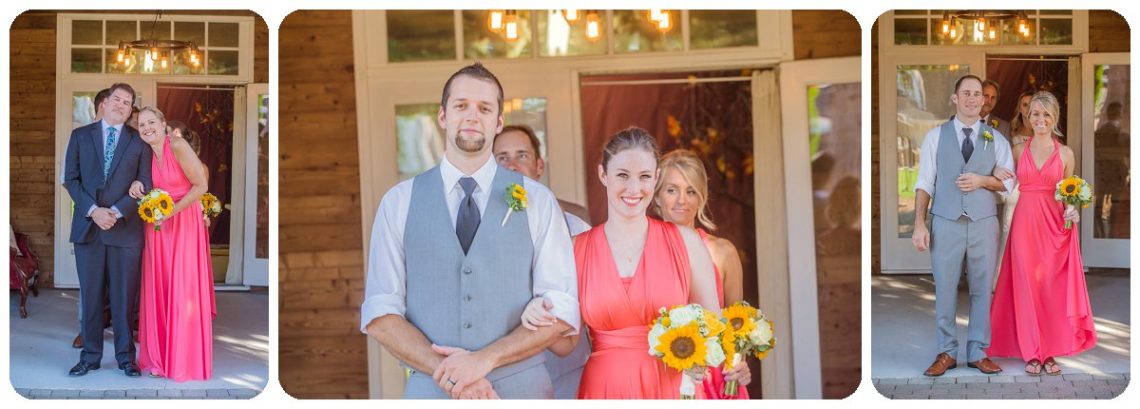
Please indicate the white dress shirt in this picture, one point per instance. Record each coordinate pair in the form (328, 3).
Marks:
(927, 157)
(576, 224)
(554, 275)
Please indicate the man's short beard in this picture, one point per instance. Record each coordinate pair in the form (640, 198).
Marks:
(470, 146)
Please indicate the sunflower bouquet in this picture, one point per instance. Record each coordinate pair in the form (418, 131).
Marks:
(746, 330)
(155, 207)
(1073, 191)
(211, 206)
(686, 338)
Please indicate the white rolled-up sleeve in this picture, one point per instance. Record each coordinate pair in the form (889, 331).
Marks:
(554, 273)
(926, 162)
(385, 290)
(1004, 155)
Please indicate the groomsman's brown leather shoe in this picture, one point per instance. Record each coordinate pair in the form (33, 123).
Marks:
(78, 342)
(942, 363)
(985, 365)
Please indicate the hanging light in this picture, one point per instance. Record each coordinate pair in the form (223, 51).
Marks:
(593, 26)
(154, 48)
(993, 33)
(163, 63)
(571, 16)
(664, 24)
(511, 25)
(953, 33)
(655, 15)
(495, 20)
(982, 23)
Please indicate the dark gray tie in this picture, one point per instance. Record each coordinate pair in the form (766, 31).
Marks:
(468, 221)
(967, 146)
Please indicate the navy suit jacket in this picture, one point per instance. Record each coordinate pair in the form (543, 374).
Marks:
(83, 178)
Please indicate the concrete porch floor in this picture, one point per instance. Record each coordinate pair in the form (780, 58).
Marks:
(903, 342)
(41, 353)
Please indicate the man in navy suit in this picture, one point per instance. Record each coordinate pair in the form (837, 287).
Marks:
(102, 160)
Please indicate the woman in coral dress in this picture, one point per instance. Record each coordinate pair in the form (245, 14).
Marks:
(1041, 306)
(681, 197)
(176, 303)
(628, 268)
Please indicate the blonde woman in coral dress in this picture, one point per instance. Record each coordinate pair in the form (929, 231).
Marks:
(176, 303)
(628, 268)
(1041, 306)
(681, 197)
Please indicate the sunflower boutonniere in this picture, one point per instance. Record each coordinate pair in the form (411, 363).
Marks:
(516, 200)
(989, 137)
(994, 123)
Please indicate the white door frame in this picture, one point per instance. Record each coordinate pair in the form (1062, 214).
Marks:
(795, 77)
(255, 270)
(1097, 252)
(65, 275)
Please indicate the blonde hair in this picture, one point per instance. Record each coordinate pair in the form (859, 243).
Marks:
(157, 113)
(693, 171)
(1049, 102)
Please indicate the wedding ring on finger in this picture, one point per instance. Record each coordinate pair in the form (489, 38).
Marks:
(451, 382)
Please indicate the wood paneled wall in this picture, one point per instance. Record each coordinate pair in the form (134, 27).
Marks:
(825, 34)
(322, 352)
(1108, 32)
(32, 102)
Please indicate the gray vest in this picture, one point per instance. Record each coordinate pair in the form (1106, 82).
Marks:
(467, 301)
(949, 201)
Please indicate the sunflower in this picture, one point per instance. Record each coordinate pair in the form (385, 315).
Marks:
(728, 344)
(210, 205)
(146, 212)
(682, 347)
(739, 319)
(1071, 186)
(165, 204)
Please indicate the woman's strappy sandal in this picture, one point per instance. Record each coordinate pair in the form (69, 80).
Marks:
(1051, 363)
(1033, 367)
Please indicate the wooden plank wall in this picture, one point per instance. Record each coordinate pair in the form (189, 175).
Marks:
(1108, 32)
(32, 102)
(829, 34)
(322, 352)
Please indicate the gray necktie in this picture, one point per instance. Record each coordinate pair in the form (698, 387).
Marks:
(967, 146)
(468, 221)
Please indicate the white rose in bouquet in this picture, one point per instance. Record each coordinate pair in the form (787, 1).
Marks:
(761, 335)
(655, 338)
(714, 354)
(679, 317)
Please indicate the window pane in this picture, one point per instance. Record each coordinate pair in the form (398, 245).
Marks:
(634, 33)
(222, 62)
(420, 35)
(82, 109)
(722, 28)
(86, 32)
(261, 248)
(121, 31)
(183, 66)
(223, 35)
(1111, 144)
(1011, 36)
(1056, 31)
(419, 140)
(910, 13)
(911, 31)
(955, 35)
(833, 114)
(86, 60)
(481, 42)
(923, 103)
(190, 31)
(557, 37)
(160, 30)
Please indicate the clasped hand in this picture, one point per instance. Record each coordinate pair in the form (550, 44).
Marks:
(463, 374)
(104, 217)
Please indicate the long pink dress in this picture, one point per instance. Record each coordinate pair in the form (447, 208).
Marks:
(618, 313)
(176, 302)
(1041, 305)
(714, 383)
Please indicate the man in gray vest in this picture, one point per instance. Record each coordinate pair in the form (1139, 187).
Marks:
(955, 169)
(452, 264)
(517, 148)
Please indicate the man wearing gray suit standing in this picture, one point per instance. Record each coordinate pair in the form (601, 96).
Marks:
(991, 91)
(452, 265)
(956, 167)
